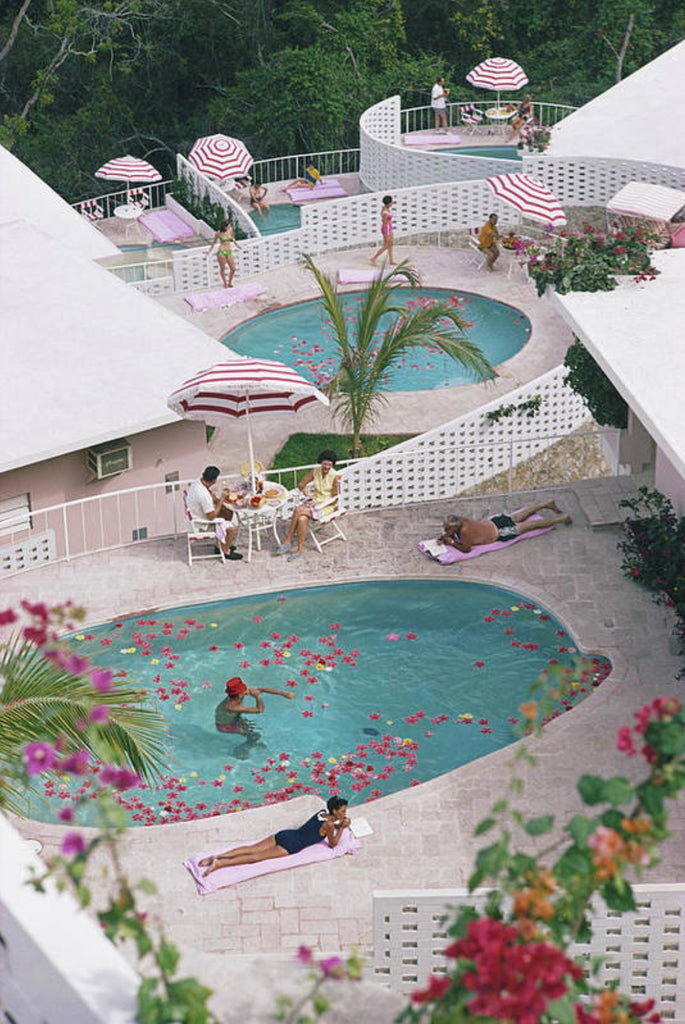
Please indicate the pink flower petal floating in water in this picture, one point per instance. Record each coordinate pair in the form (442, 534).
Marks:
(482, 721)
(238, 645)
(307, 714)
(205, 685)
(486, 730)
(374, 716)
(335, 627)
(214, 648)
(479, 664)
(265, 662)
(410, 636)
(281, 597)
(291, 683)
(257, 618)
(428, 733)
(244, 664)
(392, 636)
(265, 643)
(513, 720)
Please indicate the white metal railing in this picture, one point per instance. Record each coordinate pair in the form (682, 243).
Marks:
(643, 951)
(155, 193)
(416, 119)
(472, 454)
(287, 168)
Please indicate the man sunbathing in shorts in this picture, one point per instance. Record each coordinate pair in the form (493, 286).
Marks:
(464, 534)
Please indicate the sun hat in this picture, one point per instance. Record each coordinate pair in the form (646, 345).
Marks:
(235, 686)
(245, 468)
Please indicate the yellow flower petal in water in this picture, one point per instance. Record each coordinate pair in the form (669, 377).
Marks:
(193, 775)
(332, 760)
(221, 778)
(178, 706)
(389, 721)
(80, 636)
(213, 625)
(406, 741)
(514, 607)
(285, 654)
(184, 778)
(154, 661)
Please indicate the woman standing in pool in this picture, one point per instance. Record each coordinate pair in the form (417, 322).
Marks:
(324, 825)
(387, 232)
(226, 240)
(325, 481)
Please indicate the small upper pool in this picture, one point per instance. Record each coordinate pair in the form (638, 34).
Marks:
(493, 152)
(301, 336)
(393, 683)
(281, 217)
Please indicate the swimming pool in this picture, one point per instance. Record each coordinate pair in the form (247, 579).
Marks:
(281, 217)
(494, 152)
(394, 683)
(301, 336)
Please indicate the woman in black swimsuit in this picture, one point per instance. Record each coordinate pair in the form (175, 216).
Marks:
(524, 111)
(328, 825)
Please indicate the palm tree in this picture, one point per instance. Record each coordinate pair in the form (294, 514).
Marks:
(365, 361)
(40, 701)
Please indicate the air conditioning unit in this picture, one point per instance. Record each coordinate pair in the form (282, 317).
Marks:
(108, 459)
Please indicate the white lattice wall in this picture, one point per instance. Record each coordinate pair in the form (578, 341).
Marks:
(468, 450)
(25, 554)
(592, 181)
(644, 950)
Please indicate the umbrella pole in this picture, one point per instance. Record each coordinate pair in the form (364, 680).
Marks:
(250, 449)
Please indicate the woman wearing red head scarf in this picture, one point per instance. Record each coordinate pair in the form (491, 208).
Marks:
(228, 715)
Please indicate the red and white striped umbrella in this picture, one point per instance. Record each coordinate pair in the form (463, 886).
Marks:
(128, 168)
(498, 74)
(220, 156)
(530, 196)
(243, 387)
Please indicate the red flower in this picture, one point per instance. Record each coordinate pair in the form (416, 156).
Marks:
(436, 989)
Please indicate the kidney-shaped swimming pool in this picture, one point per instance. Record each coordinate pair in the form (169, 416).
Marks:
(301, 336)
(393, 683)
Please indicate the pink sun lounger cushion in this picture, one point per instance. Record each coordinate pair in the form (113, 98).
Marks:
(328, 188)
(432, 140)
(201, 301)
(231, 876)
(446, 555)
(165, 225)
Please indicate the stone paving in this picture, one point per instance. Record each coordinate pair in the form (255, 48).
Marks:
(422, 836)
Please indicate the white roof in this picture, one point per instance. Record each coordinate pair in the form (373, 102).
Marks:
(85, 358)
(638, 199)
(24, 195)
(635, 333)
(638, 119)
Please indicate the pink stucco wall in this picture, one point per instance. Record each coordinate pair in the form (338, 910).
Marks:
(668, 480)
(179, 446)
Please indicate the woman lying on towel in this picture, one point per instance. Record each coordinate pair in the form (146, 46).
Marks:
(311, 178)
(464, 534)
(328, 825)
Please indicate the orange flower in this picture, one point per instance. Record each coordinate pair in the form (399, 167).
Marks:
(529, 710)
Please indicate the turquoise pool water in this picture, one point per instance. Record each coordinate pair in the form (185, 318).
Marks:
(494, 152)
(394, 683)
(301, 336)
(281, 217)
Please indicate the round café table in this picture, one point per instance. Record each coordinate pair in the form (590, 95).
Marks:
(498, 117)
(129, 213)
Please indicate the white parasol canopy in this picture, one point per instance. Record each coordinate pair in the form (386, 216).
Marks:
(529, 196)
(128, 168)
(243, 387)
(498, 74)
(220, 156)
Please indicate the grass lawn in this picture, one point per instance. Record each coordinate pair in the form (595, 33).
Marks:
(303, 449)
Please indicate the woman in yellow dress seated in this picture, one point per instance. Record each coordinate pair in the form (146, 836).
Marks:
(325, 481)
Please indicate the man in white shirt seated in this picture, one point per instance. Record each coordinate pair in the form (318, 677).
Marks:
(204, 504)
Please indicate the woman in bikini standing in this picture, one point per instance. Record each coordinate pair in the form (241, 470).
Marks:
(226, 240)
(386, 231)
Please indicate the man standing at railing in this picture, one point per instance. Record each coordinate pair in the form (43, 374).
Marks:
(439, 96)
(203, 503)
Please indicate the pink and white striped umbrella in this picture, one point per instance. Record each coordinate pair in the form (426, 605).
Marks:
(243, 387)
(530, 196)
(498, 74)
(128, 168)
(220, 156)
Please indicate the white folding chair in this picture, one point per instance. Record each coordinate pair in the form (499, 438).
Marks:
(201, 533)
(91, 210)
(329, 514)
(476, 260)
(139, 198)
(471, 117)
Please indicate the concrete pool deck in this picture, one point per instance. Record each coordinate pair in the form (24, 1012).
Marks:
(422, 836)
(406, 411)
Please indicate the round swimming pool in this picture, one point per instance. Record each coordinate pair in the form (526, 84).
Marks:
(393, 683)
(301, 336)
(491, 152)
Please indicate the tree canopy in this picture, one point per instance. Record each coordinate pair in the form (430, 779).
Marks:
(83, 82)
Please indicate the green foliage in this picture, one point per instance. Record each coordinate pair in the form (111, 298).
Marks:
(530, 407)
(367, 359)
(302, 449)
(202, 207)
(607, 405)
(653, 548)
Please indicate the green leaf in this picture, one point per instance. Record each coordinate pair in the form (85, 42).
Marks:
(321, 1003)
(618, 791)
(147, 886)
(652, 798)
(499, 806)
(573, 862)
(167, 957)
(580, 828)
(618, 895)
(538, 826)
(591, 789)
(484, 826)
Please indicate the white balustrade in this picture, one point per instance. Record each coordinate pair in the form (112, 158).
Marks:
(643, 951)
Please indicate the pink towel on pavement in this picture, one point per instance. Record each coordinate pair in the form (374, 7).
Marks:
(230, 876)
(445, 554)
(201, 301)
(432, 140)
